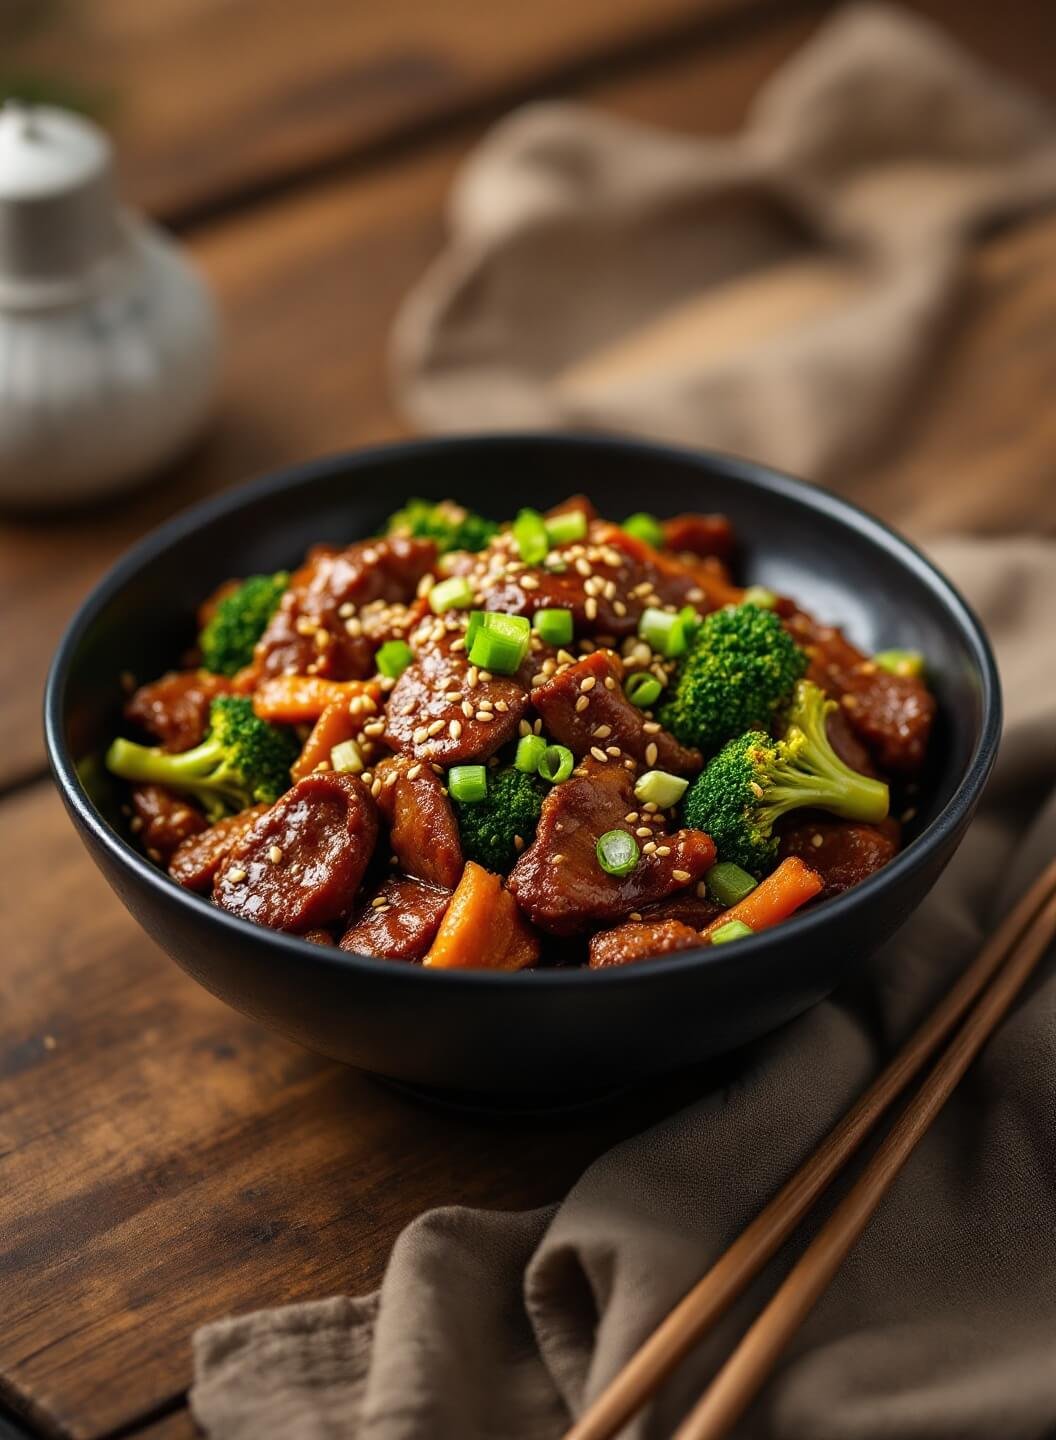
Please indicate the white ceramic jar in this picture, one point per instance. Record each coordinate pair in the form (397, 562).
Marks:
(108, 337)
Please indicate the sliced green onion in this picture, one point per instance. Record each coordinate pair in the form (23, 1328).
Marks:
(759, 595)
(500, 642)
(645, 527)
(563, 529)
(455, 593)
(553, 626)
(661, 788)
(618, 852)
(530, 750)
(690, 618)
(346, 758)
(908, 663)
(530, 537)
(556, 764)
(728, 883)
(663, 632)
(393, 658)
(468, 783)
(642, 689)
(732, 930)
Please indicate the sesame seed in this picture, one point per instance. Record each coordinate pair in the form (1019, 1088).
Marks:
(537, 728)
(702, 890)
(518, 842)
(375, 789)
(613, 750)
(467, 709)
(610, 683)
(598, 753)
(682, 876)
(485, 676)
(651, 727)
(849, 702)
(651, 753)
(756, 789)
(602, 732)
(502, 706)
(632, 818)
(485, 716)
(523, 728)
(435, 728)
(649, 848)
(453, 696)
(459, 644)
(583, 566)
(588, 683)
(817, 840)
(908, 815)
(590, 608)
(472, 676)
(237, 875)
(346, 610)
(414, 771)
(454, 729)
(375, 727)
(539, 679)
(643, 832)
(650, 807)
(581, 703)
(421, 735)
(153, 854)
(557, 860)
(136, 824)
(275, 854)
(636, 916)
(529, 582)
(304, 626)
(377, 902)
(663, 850)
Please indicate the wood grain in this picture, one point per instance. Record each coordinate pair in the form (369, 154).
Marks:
(164, 1161)
(310, 285)
(209, 101)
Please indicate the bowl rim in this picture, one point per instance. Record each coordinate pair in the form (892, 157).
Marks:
(738, 470)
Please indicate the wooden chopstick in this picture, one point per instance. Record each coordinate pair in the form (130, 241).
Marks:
(693, 1316)
(745, 1371)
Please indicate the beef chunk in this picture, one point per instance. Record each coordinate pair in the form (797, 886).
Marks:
(194, 863)
(436, 707)
(341, 605)
(423, 832)
(301, 864)
(558, 881)
(846, 853)
(891, 715)
(400, 922)
(584, 707)
(175, 709)
(640, 940)
(700, 535)
(162, 820)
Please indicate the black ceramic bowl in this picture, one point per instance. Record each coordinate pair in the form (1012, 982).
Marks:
(545, 1034)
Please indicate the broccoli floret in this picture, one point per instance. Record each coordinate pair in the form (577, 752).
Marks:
(510, 808)
(239, 621)
(742, 664)
(452, 526)
(242, 761)
(755, 779)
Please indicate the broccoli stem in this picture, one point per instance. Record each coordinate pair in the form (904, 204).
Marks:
(812, 774)
(195, 770)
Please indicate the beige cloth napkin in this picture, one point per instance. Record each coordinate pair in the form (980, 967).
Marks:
(940, 1326)
(777, 294)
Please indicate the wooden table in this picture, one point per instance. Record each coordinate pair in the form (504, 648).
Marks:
(162, 1160)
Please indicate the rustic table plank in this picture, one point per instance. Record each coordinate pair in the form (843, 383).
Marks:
(211, 100)
(164, 1161)
(310, 286)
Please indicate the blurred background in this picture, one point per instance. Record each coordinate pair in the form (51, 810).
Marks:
(304, 155)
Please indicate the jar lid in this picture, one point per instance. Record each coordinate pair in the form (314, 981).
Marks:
(58, 209)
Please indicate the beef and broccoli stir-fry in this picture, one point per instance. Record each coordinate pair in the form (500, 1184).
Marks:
(560, 740)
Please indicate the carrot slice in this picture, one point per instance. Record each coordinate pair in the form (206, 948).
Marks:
(294, 699)
(482, 928)
(774, 899)
(335, 724)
